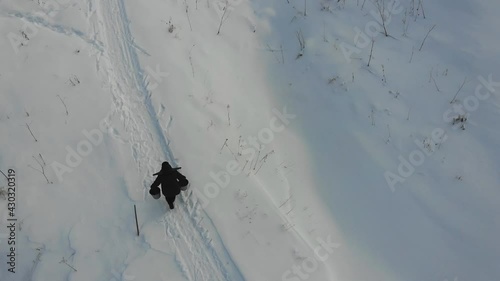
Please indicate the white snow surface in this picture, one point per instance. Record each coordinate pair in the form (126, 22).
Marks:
(305, 163)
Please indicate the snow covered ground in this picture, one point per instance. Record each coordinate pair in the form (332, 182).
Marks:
(317, 147)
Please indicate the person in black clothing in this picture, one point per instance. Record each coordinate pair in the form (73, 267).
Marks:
(171, 182)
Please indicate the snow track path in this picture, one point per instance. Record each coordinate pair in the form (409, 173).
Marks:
(199, 250)
(43, 22)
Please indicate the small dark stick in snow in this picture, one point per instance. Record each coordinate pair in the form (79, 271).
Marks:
(302, 43)
(263, 160)
(228, 148)
(225, 142)
(29, 129)
(4, 174)
(66, 263)
(222, 18)
(382, 10)
(459, 89)
(136, 222)
(422, 6)
(239, 146)
(187, 15)
(67, 113)
(277, 50)
(435, 84)
(423, 41)
(42, 169)
(41, 157)
(256, 159)
(371, 53)
(191, 60)
(389, 131)
(384, 79)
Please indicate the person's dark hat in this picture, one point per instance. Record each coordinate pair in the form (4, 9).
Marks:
(165, 166)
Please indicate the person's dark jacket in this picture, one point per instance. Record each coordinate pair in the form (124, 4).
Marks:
(170, 179)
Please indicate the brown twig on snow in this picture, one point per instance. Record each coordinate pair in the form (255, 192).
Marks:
(42, 169)
(67, 113)
(222, 18)
(423, 41)
(4, 175)
(29, 129)
(459, 89)
(371, 53)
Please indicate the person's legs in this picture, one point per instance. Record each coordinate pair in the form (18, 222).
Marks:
(170, 201)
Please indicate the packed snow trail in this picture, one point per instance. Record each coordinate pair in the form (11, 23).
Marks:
(199, 250)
